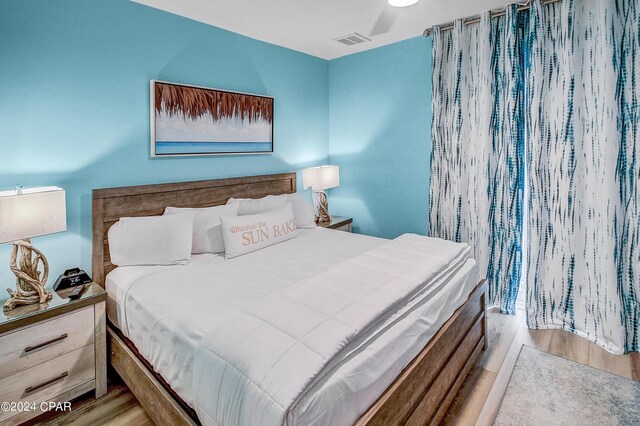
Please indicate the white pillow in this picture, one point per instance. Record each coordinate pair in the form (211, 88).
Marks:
(259, 205)
(207, 235)
(303, 211)
(244, 234)
(152, 240)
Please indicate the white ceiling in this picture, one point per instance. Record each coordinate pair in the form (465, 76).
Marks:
(310, 26)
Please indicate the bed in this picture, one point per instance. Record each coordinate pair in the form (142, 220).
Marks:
(406, 370)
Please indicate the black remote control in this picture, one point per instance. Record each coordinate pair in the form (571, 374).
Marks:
(75, 294)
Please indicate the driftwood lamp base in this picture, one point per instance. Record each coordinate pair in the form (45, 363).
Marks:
(322, 215)
(29, 286)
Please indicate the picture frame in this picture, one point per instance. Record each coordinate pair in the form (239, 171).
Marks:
(188, 120)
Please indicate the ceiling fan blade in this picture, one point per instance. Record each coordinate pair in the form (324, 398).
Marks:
(384, 22)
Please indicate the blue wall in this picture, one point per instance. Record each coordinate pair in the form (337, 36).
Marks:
(380, 136)
(74, 103)
(74, 112)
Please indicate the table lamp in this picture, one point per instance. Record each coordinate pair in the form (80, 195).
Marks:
(27, 213)
(319, 179)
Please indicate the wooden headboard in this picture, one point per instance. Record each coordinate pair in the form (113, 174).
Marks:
(111, 204)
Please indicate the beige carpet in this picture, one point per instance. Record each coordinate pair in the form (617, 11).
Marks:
(548, 390)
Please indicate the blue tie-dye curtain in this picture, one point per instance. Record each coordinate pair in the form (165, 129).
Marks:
(559, 87)
(477, 176)
(582, 75)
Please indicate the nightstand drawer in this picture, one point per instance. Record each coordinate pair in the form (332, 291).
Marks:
(49, 379)
(30, 346)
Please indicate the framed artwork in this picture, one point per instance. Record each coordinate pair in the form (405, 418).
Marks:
(191, 120)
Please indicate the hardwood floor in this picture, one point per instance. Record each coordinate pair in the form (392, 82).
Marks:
(477, 402)
(117, 407)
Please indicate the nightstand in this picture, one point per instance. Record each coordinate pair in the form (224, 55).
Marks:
(338, 223)
(52, 352)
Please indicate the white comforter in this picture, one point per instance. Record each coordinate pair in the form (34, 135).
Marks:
(262, 361)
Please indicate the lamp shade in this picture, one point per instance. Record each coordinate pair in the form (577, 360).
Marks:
(321, 178)
(32, 212)
(402, 3)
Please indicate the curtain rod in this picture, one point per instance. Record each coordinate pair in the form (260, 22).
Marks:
(493, 13)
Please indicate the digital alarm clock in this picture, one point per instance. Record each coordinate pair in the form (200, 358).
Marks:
(71, 278)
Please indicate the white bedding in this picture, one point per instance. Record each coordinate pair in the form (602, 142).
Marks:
(166, 313)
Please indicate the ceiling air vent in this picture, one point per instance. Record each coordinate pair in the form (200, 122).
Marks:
(352, 39)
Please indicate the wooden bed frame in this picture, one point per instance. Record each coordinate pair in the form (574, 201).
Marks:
(420, 395)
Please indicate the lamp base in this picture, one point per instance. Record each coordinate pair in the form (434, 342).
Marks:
(322, 215)
(29, 286)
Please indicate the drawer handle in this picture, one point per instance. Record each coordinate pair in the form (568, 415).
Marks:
(43, 344)
(46, 383)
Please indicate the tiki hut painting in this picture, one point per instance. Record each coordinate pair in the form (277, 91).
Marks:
(188, 120)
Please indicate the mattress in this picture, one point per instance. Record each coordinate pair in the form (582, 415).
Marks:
(166, 315)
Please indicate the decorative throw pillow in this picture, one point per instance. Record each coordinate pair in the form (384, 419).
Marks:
(245, 234)
(207, 234)
(302, 209)
(152, 240)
